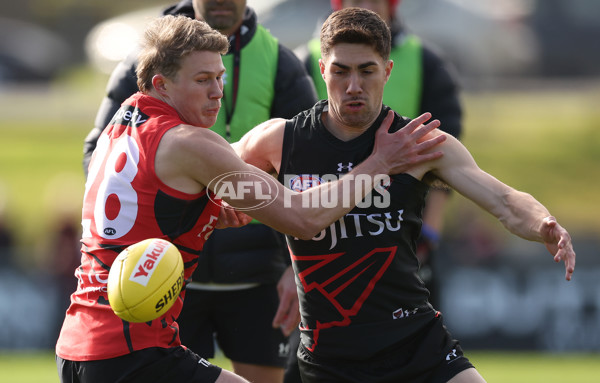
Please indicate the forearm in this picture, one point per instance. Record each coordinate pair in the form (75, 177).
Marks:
(261, 196)
(523, 215)
(317, 207)
(323, 205)
(305, 214)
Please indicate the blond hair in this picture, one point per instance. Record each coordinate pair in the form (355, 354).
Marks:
(168, 40)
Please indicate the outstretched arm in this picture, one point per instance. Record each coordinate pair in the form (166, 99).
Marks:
(519, 212)
(191, 158)
(406, 148)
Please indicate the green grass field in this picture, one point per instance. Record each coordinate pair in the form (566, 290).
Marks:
(496, 367)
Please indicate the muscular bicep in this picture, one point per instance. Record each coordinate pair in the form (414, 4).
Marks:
(459, 170)
(191, 158)
(261, 146)
(208, 161)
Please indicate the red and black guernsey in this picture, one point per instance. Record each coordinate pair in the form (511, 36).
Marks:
(125, 202)
(357, 280)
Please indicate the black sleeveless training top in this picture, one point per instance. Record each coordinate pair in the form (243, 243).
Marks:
(357, 280)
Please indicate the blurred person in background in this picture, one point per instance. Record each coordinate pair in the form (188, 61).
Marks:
(422, 81)
(64, 257)
(7, 236)
(245, 269)
(7, 240)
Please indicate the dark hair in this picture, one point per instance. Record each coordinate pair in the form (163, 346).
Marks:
(168, 40)
(356, 26)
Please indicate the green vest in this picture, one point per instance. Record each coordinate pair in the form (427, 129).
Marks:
(403, 90)
(256, 88)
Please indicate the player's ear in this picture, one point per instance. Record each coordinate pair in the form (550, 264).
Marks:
(322, 67)
(159, 84)
(388, 69)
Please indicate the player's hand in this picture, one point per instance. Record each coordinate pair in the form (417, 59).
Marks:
(402, 150)
(230, 217)
(287, 317)
(558, 242)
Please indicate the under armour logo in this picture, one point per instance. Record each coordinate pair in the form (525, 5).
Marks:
(204, 362)
(451, 355)
(401, 313)
(342, 167)
(284, 349)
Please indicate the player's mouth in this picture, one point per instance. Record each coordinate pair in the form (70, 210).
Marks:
(220, 11)
(213, 110)
(354, 105)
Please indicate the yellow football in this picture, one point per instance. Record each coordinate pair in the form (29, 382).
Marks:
(145, 280)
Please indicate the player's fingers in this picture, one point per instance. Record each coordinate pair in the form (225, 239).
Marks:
(570, 266)
(568, 256)
(279, 315)
(286, 302)
(429, 157)
(290, 322)
(287, 320)
(290, 319)
(416, 122)
(430, 143)
(224, 218)
(385, 124)
(568, 274)
(423, 130)
(234, 218)
(243, 218)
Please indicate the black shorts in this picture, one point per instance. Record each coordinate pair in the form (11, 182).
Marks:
(431, 356)
(239, 321)
(175, 364)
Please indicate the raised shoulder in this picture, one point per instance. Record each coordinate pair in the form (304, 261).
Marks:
(447, 147)
(456, 160)
(262, 145)
(456, 155)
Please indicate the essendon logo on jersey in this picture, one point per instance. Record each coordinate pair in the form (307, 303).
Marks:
(303, 182)
(346, 287)
(148, 261)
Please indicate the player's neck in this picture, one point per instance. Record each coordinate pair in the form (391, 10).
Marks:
(342, 131)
